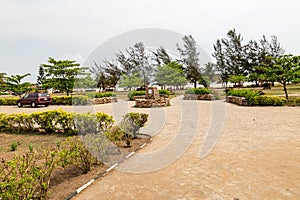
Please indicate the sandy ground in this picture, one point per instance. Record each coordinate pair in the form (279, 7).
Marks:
(206, 150)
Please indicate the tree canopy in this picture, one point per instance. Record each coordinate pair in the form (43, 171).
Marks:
(14, 84)
(61, 74)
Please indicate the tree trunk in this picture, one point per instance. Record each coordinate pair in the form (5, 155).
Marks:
(195, 84)
(285, 91)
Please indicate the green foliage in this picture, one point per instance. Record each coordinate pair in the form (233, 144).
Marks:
(170, 74)
(105, 94)
(237, 79)
(55, 121)
(293, 101)
(127, 129)
(13, 83)
(14, 146)
(198, 91)
(80, 100)
(28, 176)
(8, 101)
(61, 74)
(131, 81)
(243, 93)
(165, 92)
(70, 100)
(284, 70)
(190, 57)
(75, 153)
(266, 101)
(132, 94)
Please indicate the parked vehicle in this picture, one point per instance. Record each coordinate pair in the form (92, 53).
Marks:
(34, 99)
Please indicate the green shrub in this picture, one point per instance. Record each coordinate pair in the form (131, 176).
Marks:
(105, 94)
(266, 101)
(243, 93)
(8, 101)
(165, 92)
(198, 91)
(70, 100)
(293, 101)
(28, 176)
(80, 100)
(55, 121)
(61, 100)
(14, 146)
(132, 94)
(127, 129)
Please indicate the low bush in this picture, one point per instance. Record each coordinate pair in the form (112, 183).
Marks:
(8, 101)
(293, 101)
(127, 129)
(165, 92)
(266, 101)
(55, 121)
(70, 100)
(132, 94)
(28, 176)
(198, 91)
(105, 94)
(243, 93)
(14, 146)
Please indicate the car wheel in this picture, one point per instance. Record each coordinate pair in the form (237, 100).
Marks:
(19, 104)
(33, 104)
(46, 105)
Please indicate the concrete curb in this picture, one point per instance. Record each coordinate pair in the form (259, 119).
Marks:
(103, 173)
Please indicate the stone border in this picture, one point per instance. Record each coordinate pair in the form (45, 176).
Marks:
(105, 172)
(206, 97)
(241, 101)
(103, 100)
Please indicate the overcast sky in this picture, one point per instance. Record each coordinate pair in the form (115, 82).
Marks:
(33, 30)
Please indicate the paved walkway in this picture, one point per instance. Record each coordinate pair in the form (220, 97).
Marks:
(256, 155)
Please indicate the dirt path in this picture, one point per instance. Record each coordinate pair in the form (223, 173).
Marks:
(257, 157)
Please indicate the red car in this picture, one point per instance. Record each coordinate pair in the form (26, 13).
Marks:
(34, 99)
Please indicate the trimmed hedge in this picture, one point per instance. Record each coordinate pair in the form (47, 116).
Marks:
(266, 101)
(256, 99)
(243, 93)
(106, 94)
(70, 100)
(58, 121)
(198, 91)
(64, 100)
(132, 94)
(165, 92)
(8, 101)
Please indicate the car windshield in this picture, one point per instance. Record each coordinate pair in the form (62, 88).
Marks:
(44, 95)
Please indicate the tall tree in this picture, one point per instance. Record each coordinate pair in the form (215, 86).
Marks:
(161, 56)
(61, 74)
(131, 81)
(14, 84)
(107, 74)
(2, 80)
(136, 60)
(284, 69)
(170, 74)
(41, 78)
(190, 59)
(221, 66)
